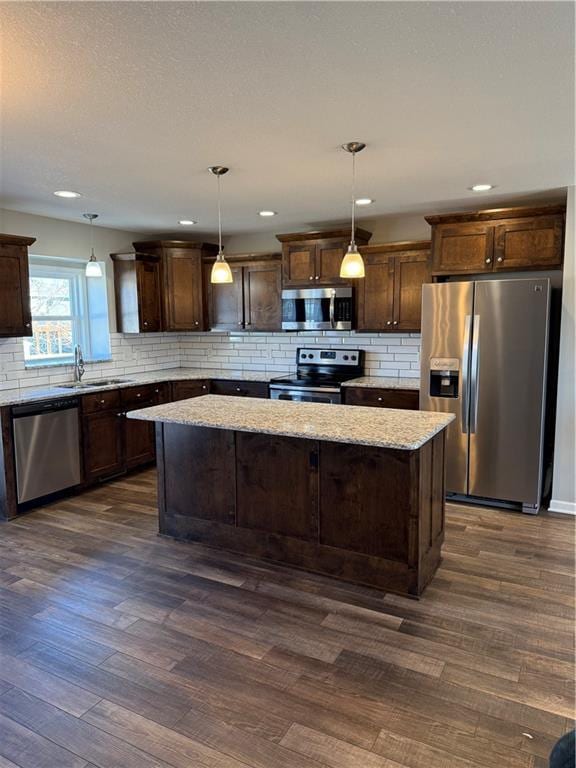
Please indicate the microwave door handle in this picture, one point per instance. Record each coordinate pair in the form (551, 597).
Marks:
(332, 306)
(465, 402)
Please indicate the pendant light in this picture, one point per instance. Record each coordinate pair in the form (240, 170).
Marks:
(353, 264)
(221, 272)
(93, 268)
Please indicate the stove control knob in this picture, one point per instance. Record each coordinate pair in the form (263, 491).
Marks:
(353, 357)
(311, 356)
(345, 357)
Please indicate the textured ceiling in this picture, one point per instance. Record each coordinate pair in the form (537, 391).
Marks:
(129, 102)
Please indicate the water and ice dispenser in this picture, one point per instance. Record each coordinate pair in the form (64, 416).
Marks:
(444, 376)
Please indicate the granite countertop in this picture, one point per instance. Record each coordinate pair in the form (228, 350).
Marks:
(379, 427)
(383, 382)
(133, 380)
(29, 395)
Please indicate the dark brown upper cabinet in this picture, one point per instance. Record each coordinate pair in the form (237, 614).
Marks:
(315, 257)
(253, 301)
(389, 298)
(178, 275)
(498, 240)
(15, 314)
(138, 292)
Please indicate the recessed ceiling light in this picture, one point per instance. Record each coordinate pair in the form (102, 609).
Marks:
(67, 193)
(187, 222)
(481, 187)
(364, 201)
(266, 213)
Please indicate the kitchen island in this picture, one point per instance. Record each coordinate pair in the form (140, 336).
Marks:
(353, 493)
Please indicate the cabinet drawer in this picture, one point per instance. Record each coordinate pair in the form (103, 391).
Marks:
(133, 397)
(240, 388)
(407, 399)
(182, 390)
(101, 401)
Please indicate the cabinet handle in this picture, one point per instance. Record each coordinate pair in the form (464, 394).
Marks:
(488, 261)
(138, 394)
(388, 322)
(311, 277)
(395, 322)
(317, 277)
(379, 399)
(145, 322)
(27, 325)
(156, 391)
(119, 414)
(197, 323)
(203, 386)
(102, 402)
(500, 259)
(240, 323)
(237, 389)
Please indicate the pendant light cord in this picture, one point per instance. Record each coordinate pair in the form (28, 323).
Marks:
(219, 220)
(352, 241)
(92, 238)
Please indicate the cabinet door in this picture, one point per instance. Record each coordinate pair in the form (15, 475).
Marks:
(139, 440)
(529, 243)
(411, 271)
(148, 276)
(277, 485)
(375, 294)
(102, 443)
(262, 297)
(183, 309)
(329, 257)
(226, 302)
(239, 388)
(15, 317)
(373, 397)
(462, 248)
(298, 264)
(183, 390)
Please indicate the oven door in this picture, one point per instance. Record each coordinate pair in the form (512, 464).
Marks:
(305, 394)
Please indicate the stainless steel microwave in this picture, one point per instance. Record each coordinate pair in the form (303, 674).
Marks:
(317, 309)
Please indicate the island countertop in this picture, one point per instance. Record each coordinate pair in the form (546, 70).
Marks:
(377, 427)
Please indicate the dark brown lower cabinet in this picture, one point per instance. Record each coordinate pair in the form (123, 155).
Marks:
(363, 514)
(182, 390)
(407, 399)
(102, 444)
(239, 388)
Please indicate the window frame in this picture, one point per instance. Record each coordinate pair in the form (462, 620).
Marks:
(74, 272)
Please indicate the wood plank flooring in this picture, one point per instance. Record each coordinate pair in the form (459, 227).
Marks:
(120, 649)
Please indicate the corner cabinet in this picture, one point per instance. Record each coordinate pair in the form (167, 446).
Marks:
(174, 286)
(15, 313)
(137, 289)
(315, 257)
(498, 240)
(389, 297)
(252, 302)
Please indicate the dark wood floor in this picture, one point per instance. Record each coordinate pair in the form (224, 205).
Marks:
(119, 649)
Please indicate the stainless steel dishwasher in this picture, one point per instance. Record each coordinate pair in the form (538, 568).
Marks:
(46, 447)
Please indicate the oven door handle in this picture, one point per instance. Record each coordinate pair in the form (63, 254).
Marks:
(332, 306)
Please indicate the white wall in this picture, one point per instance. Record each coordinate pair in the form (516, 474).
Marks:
(70, 240)
(564, 478)
(384, 229)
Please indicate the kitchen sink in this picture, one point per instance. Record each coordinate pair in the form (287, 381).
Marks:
(93, 383)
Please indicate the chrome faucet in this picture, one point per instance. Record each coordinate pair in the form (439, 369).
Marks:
(78, 364)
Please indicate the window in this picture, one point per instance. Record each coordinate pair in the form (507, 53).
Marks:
(67, 309)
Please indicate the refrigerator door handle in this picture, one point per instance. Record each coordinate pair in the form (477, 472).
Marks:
(464, 400)
(474, 374)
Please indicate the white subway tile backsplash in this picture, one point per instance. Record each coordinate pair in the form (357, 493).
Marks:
(395, 354)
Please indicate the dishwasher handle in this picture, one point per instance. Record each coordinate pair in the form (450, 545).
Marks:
(44, 406)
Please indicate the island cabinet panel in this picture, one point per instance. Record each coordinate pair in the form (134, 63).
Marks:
(368, 488)
(197, 467)
(363, 514)
(15, 314)
(277, 485)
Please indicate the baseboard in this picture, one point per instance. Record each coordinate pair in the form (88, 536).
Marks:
(565, 507)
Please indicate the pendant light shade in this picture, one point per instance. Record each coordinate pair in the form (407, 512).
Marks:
(221, 272)
(352, 266)
(93, 267)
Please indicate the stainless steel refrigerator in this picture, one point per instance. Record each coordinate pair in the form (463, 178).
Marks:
(484, 359)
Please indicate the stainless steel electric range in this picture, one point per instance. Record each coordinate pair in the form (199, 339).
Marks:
(319, 375)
